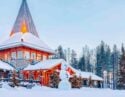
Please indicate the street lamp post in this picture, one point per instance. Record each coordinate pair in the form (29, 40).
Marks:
(105, 78)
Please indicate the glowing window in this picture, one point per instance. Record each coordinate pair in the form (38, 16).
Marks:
(20, 54)
(13, 55)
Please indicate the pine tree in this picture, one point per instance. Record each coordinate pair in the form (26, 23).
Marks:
(100, 57)
(76, 82)
(103, 59)
(115, 62)
(108, 59)
(86, 54)
(121, 79)
(81, 64)
(59, 53)
(92, 61)
(54, 80)
(74, 62)
(88, 65)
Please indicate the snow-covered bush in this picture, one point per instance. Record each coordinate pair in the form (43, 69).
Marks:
(54, 80)
(76, 82)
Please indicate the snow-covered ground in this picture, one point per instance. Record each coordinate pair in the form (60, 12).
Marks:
(39, 91)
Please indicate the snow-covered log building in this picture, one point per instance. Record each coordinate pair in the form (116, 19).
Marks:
(48, 67)
(24, 42)
(25, 51)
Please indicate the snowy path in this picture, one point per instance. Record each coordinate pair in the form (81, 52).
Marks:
(48, 92)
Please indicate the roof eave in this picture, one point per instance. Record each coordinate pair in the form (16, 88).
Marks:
(3, 47)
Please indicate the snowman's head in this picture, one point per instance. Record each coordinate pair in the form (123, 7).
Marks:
(64, 67)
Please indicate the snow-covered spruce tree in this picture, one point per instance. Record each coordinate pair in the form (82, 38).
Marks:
(103, 61)
(76, 82)
(115, 55)
(86, 54)
(85, 63)
(121, 74)
(81, 64)
(100, 57)
(59, 53)
(54, 80)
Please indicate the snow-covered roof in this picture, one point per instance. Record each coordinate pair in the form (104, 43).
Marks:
(87, 75)
(28, 40)
(47, 64)
(5, 66)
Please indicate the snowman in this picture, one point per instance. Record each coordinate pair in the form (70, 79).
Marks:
(64, 76)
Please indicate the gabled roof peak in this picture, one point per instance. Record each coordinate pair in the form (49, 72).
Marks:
(24, 22)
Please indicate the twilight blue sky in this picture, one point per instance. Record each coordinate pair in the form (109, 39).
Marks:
(71, 23)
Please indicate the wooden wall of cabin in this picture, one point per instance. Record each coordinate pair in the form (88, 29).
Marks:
(37, 75)
(24, 52)
(43, 75)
